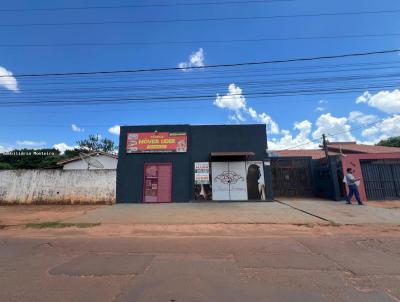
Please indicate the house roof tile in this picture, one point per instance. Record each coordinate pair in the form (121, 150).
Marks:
(314, 153)
(360, 148)
(75, 158)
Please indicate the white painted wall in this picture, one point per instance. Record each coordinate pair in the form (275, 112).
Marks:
(57, 186)
(107, 161)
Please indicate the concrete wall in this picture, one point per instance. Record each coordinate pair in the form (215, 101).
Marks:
(57, 186)
(107, 162)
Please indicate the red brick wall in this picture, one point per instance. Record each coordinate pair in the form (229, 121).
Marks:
(353, 161)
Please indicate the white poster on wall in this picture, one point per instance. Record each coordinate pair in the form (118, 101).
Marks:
(238, 180)
(229, 181)
(255, 180)
(220, 181)
(201, 173)
(237, 185)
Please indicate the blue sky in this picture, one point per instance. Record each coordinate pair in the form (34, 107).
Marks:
(292, 120)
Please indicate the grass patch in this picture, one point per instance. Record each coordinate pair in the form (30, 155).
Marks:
(59, 225)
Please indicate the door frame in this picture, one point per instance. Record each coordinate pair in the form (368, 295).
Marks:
(144, 180)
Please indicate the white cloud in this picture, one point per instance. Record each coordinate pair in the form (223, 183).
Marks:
(358, 117)
(7, 80)
(235, 101)
(4, 149)
(322, 102)
(330, 125)
(320, 109)
(266, 119)
(62, 147)
(30, 143)
(370, 132)
(114, 129)
(363, 98)
(390, 126)
(387, 128)
(75, 128)
(386, 101)
(196, 59)
(300, 141)
(306, 139)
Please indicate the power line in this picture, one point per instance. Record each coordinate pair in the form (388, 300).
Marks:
(203, 19)
(305, 59)
(143, 6)
(182, 98)
(143, 43)
(161, 87)
(253, 73)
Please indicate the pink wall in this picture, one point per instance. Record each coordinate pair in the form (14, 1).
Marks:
(353, 161)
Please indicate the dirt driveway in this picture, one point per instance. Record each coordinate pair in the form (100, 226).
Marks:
(23, 214)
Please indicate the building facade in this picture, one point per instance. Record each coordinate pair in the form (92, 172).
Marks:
(377, 166)
(379, 173)
(181, 163)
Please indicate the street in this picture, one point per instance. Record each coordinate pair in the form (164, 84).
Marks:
(206, 263)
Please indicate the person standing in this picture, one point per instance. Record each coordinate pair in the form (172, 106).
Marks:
(353, 187)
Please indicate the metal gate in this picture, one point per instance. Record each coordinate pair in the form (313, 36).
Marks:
(381, 179)
(229, 180)
(291, 177)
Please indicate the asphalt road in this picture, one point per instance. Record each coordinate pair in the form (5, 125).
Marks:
(325, 266)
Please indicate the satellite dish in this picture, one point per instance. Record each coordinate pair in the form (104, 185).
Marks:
(91, 161)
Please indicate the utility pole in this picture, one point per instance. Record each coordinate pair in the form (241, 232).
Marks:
(325, 146)
(332, 168)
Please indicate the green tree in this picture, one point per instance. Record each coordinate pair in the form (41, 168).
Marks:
(30, 159)
(5, 166)
(390, 142)
(75, 152)
(94, 143)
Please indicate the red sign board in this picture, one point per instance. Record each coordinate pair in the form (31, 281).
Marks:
(148, 142)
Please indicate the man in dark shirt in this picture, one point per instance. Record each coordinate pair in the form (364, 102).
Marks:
(353, 187)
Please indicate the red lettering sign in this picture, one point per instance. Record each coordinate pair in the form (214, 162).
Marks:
(148, 142)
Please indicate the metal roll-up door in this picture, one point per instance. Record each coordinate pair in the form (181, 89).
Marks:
(396, 176)
(372, 182)
(387, 181)
(381, 179)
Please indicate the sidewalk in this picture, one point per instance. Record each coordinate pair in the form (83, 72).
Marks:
(341, 213)
(286, 211)
(197, 213)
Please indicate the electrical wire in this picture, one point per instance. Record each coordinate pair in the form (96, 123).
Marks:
(304, 59)
(143, 43)
(184, 98)
(55, 84)
(249, 18)
(142, 6)
(199, 87)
